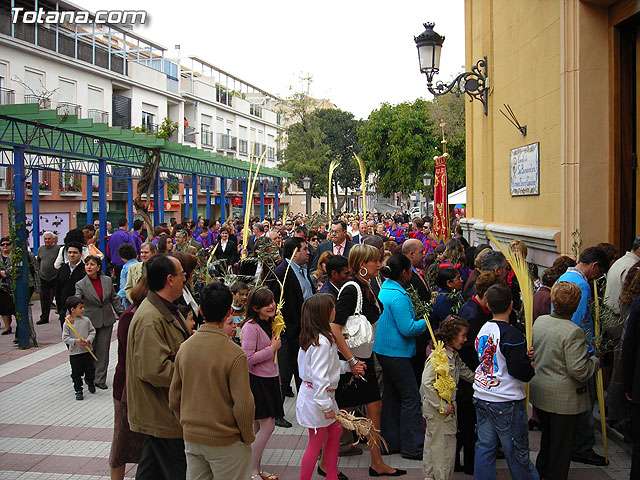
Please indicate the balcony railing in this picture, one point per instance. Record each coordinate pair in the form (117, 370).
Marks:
(258, 149)
(7, 96)
(271, 153)
(227, 142)
(151, 128)
(98, 116)
(67, 108)
(44, 103)
(190, 134)
(255, 109)
(207, 137)
(243, 146)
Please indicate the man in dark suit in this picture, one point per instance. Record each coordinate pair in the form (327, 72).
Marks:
(258, 231)
(338, 244)
(67, 277)
(362, 232)
(297, 288)
(413, 249)
(337, 275)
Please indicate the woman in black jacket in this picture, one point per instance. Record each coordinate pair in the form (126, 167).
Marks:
(226, 247)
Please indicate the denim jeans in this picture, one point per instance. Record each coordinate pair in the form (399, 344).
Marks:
(502, 423)
(402, 424)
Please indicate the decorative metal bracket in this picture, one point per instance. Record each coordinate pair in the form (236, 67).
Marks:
(474, 83)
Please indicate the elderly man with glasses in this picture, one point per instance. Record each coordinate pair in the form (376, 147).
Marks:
(46, 256)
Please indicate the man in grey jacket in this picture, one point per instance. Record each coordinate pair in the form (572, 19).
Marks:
(46, 255)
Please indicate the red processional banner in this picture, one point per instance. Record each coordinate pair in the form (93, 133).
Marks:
(441, 200)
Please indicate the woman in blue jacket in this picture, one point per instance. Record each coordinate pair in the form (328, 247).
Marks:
(395, 345)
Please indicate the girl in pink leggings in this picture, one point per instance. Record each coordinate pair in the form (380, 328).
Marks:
(320, 370)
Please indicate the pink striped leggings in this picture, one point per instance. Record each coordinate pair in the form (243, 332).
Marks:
(317, 437)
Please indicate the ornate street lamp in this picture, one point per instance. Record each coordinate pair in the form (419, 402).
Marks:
(306, 184)
(474, 83)
(426, 180)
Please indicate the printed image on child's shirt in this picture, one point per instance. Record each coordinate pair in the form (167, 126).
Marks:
(487, 371)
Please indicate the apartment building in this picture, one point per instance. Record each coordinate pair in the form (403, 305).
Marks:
(115, 76)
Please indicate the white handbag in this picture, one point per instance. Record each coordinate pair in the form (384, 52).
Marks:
(358, 331)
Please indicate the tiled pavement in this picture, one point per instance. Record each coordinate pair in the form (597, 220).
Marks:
(46, 434)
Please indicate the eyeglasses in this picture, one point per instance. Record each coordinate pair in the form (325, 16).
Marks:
(5, 244)
(314, 239)
(278, 224)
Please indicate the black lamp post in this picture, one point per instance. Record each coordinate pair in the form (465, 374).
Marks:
(474, 83)
(426, 180)
(306, 184)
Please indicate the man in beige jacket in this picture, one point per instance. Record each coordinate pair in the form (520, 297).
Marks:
(211, 397)
(156, 332)
(138, 270)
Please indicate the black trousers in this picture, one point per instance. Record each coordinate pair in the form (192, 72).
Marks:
(288, 363)
(82, 365)
(635, 456)
(117, 269)
(466, 436)
(47, 288)
(162, 459)
(558, 437)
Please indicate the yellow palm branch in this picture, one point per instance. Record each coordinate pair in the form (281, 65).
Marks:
(332, 166)
(363, 177)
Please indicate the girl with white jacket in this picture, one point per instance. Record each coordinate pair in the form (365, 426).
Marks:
(320, 370)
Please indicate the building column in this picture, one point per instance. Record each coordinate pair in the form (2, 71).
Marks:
(275, 201)
(35, 208)
(194, 193)
(262, 201)
(22, 291)
(102, 208)
(130, 202)
(208, 210)
(187, 208)
(223, 200)
(244, 198)
(89, 199)
(158, 201)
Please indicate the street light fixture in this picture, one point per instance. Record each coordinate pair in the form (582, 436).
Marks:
(474, 83)
(426, 180)
(306, 184)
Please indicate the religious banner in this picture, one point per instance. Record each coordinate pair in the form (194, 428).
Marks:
(441, 199)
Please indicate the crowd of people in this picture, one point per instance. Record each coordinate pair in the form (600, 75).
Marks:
(204, 368)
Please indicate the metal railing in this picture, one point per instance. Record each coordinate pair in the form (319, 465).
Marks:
(190, 134)
(255, 109)
(68, 108)
(243, 147)
(206, 137)
(98, 116)
(7, 96)
(227, 142)
(44, 103)
(271, 153)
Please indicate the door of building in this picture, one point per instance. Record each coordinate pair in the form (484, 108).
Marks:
(626, 133)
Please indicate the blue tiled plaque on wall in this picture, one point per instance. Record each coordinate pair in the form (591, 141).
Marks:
(524, 163)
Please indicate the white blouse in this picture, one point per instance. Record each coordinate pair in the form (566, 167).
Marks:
(320, 370)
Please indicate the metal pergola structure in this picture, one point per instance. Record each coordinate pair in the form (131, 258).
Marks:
(32, 140)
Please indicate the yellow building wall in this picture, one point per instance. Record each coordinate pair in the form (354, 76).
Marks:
(548, 60)
(523, 50)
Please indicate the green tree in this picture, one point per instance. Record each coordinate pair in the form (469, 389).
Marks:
(400, 141)
(339, 130)
(305, 153)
